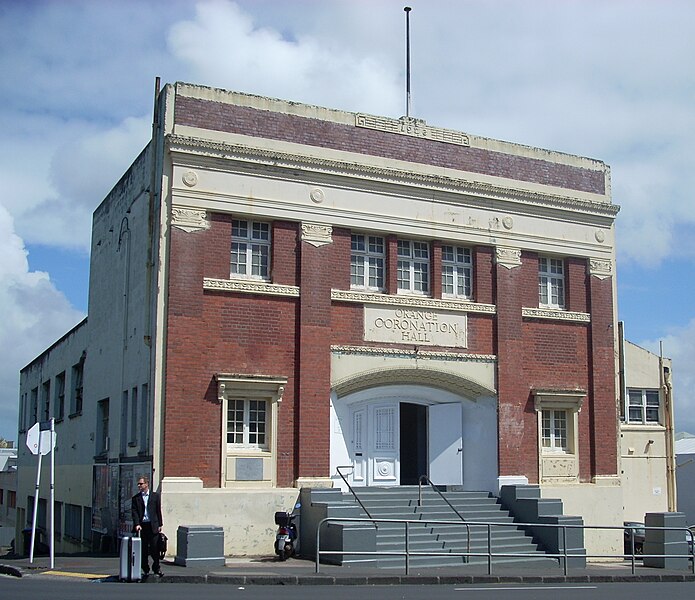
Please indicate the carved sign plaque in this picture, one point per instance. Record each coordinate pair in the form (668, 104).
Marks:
(420, 327)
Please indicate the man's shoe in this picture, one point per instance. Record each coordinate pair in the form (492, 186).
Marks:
(159, 573)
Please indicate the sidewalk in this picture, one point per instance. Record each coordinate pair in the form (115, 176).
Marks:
(270, 571)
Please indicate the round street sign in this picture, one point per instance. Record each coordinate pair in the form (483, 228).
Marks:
(33, 436)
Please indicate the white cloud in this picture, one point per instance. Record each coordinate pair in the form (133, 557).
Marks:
(224, 47)
(34, 315)
(75, 174)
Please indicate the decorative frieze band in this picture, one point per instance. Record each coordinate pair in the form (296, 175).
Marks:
(412, 302)
(408, 353)
(317, 234)
(555, 314)
(249, 286)
(601, 267)
(189, 219)
(412, 127)
(508, 257)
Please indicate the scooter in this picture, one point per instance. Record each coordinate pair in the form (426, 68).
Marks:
(286, 538)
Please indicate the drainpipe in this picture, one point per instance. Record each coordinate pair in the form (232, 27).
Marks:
(667, 390)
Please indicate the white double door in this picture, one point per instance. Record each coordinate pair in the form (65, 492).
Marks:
(379, 437)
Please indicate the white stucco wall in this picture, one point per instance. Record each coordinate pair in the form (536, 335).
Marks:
(247, 516)
(599, 505)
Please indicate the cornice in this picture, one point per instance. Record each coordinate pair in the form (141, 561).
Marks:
(276, 158)
(555, 314)
(412, 302)
(249, 286)
(408, 353)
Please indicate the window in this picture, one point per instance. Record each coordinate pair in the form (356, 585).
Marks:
(643, 406)
(46, 400)
(367, 262)
(11, 499)
(58, 519)
(144, 419)
(23, 407)
(133, 439)
(76, 394)
(34, 407)
(250, 250)
(124, 421)
(102, 437)
(246, 423)
(457, 270)
(87, 525)
(249, 428)
(413, 267)
(59, 408)
(73, 521)
(558, 430)
(551, 282)
(554, 428)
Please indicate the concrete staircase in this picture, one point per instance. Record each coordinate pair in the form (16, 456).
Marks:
(424, 536)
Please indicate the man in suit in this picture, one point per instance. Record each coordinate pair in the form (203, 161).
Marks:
(147, 521)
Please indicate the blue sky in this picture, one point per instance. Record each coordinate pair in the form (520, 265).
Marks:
(608, 79)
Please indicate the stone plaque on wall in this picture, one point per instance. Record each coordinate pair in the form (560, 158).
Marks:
(417, 326)
(249, 469)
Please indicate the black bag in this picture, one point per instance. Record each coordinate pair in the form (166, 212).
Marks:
(162, 545)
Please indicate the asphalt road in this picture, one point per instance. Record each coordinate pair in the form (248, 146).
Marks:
(42, 588)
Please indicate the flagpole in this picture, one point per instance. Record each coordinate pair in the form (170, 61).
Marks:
(407, 10)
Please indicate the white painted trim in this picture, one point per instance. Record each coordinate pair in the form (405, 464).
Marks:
(412, 301)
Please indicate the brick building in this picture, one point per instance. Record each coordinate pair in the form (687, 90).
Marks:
(278, 290)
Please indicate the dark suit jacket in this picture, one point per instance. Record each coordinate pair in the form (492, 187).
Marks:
(154, 510)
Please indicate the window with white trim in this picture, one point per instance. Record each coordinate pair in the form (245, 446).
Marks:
(250, 256)
(551, 282)
(413, 267)
(558, 431)
(249, 406)
(554, 430)
(367, 260)
(247, 423)
(643, 406)
(457, 271)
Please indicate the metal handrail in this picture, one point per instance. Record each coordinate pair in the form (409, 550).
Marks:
(364, 508)
(563, 556)
(451, 506)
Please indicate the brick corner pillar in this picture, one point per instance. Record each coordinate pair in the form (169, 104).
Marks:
(314, 357)
(603, 407)
(512, 396)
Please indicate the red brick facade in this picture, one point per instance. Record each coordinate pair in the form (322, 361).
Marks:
(211, 332)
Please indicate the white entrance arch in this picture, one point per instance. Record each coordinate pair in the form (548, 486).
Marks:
(389, 434)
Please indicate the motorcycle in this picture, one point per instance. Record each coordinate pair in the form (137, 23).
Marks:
(286, 538)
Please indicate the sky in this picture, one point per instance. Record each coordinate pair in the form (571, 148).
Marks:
(608, 79)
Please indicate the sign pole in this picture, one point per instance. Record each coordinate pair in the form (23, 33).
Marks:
(53, 460)
(36, 504)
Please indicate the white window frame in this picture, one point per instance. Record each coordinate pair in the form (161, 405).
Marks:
(250, 250)
(551, 282)
(554, 430)
(248, 388)
(457, 272)
(413, 267)
(250, 436)
(367, 262)
(644, 406)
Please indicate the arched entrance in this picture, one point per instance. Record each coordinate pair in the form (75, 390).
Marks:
(391, 433)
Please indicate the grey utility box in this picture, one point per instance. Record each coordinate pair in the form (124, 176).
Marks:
(199, 546)
(664, 542)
